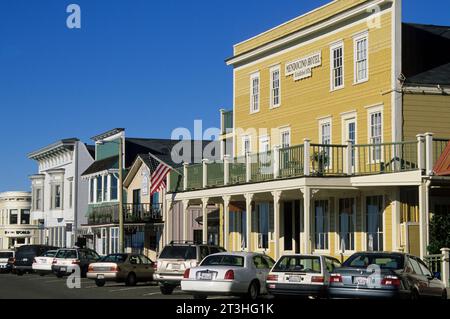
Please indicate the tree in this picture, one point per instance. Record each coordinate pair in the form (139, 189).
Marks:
(439, 232)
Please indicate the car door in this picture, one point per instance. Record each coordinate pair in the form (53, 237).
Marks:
(434, 288)
(262, 270)
(135, 265)
(420, 281)
(146, 268)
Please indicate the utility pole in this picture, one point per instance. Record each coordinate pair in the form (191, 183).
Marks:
(121, 227)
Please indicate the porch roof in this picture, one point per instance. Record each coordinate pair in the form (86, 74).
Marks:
(442, 166)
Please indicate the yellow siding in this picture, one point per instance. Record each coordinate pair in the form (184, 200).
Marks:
(426, 113)
(304, 101)
(296, 24)
(136, 183)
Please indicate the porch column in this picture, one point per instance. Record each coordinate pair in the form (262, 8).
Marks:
(429, 153)
(248, 211)
(307, 219)
(446, 266)
(205, 219)
(186, 220)
(226, 220)
(423, 217)
(168, 222)
(395, 218)
(276, 222)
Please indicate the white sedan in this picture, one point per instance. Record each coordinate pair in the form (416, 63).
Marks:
(238, 274)
(43, 264)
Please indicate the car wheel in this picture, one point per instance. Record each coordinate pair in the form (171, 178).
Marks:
(131, 279)
(100, 283)
(200, 297)
(415, 295)
(444, 294)
(166, 289)
(253, 290)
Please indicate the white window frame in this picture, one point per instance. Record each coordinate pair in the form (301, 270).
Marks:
(370, 111)
(244, 139)
(283, 131)
(357, 38)
(333, 47)
(322, 122)
(254, 76)
(112, 230)
(345, 118)
(272, 96)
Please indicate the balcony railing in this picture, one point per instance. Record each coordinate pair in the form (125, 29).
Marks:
(133, 213)
(315, 160)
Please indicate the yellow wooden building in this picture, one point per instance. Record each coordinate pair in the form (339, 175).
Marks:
(339, 116)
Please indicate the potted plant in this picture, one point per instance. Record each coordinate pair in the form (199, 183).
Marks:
(320, 161)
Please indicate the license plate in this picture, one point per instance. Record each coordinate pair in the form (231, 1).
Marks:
(100, 277)
(25, 259)
(295, 278)
(205, 276)
(62, 269)
(175, 266)
(360, 281)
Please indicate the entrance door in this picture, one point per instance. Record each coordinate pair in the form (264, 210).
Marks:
(291, 223)
(136, 201)
(350, 135)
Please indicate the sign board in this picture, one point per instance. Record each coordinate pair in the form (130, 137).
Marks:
(302, 68)
(145, 183)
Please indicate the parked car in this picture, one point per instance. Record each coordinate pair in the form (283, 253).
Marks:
(301, 275)
(42, 265)
(5, 256)
(385, 275)
(176, 258)
(66, 260)
(127, 268)
(25, 255)
(240, 274)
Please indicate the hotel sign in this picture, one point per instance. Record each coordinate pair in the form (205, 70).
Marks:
(302, 68)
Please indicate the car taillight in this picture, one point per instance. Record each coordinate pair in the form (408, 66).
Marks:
(391, 281)
(75, 262)
(187, 272)
(114, 268)
(54, 261)
(272, 277)
(317, 279)
(229, 275)
(335, 278)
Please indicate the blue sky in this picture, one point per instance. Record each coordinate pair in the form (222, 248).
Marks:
(148, 66)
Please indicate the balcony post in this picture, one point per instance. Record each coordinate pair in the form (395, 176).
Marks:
(185, 219)
(446, 267)
(276, 161)
(169, 176)
(205, 172)
(307, 156)
(348, 168)
(429, 153)
(226, 170)
(185, 176)
(226, 220)
(205, 219)
(421, 152)
(222, 121)
(248, 167)
(248, 210)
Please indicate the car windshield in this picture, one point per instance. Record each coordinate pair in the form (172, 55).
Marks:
(6, 254)
(385, 261)
(49, 253)
(179, 252)
(223, 260)
(114, 258)
(27, 250)
(66, 254)
(305, 264)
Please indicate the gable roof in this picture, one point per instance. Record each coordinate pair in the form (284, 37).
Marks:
(440, 30)
(442, 166)
(437, 76)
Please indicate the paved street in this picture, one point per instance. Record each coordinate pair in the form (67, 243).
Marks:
(50, 287)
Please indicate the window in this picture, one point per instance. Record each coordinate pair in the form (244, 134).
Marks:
(263, 225)
(337, 66)
(347, 224)
(361, 59)
(260, 262)
(99, 189)
(70, 194)
(37, 199)
(376, 135)
(114, 240)
(254, 93)
(275, 86)
(325, 139)
(264, 145)
(13, 217)
(57, 199)
(413, 263)
(105, 188)
(25, 217)
(103, 238)
(304, 264)
(285, 138)
(91, 190)
(321, 225)
(114, 194)
(246, 145)
(374, 222)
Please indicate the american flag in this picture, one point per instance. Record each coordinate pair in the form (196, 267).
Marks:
(159, 172)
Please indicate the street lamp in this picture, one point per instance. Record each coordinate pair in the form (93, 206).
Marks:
(120, 186)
